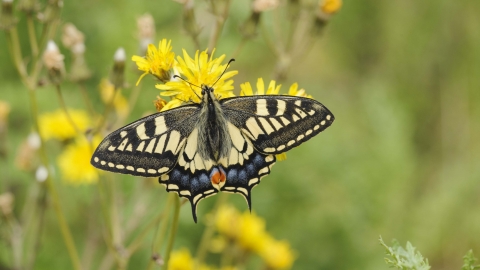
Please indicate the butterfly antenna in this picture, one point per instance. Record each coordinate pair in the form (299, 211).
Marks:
(189, 83)
(228, 64)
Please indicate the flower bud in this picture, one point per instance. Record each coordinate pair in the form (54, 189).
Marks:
(117, 77)
(325, 10)
(6, 203)
(53, 61)
(74, 40)
(29, 6)
(7, 20)
(146, 31)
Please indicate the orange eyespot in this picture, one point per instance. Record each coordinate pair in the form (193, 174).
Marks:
(218, 176)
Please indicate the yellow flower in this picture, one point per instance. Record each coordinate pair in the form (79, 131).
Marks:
(330, 6)
(251, 231)
(294, 91)
(74, 161)
(277, 254)
(181, 260)
(227, 220)
(202, 70)
(120, 103)
(156, 62)
(246, 88)
(4, 111)
(56, 125)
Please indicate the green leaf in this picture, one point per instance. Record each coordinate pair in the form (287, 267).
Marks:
(406, 259)
(469, 261)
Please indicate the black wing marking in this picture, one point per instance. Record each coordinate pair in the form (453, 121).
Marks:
(193, 186)
(148, 147)
(276, 123)
(244, 167)
(242, 178)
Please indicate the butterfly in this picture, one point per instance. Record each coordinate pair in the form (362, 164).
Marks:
(216, 145)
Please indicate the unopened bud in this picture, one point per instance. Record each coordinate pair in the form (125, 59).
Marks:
(41, 174)
(146, 32)
(74, 40)
(264, 5)
(71, 36)
(7, 20)
(6, 203)
(118, 71)
(325, 10)
(52, 11)
(53, 61)
(159, 103)
(29, 6)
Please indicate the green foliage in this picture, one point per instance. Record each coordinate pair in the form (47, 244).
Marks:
(469, 261)
(406, 259)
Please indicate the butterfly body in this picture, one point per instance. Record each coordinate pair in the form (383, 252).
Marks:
(216, 145)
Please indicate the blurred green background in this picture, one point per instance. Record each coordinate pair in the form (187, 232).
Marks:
(401, 160)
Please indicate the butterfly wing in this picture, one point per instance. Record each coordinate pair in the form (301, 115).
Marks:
(148, 147)
(275, 123)
(191, 177)
(245, 166)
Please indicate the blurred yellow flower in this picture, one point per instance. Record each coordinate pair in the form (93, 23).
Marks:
(294, 91)
(251, 232)
(181, 260)
(330, 6)
(120, 103)
(203, 70)
(56, 125)
(277, 254)
(273, 89)
(4, 111)
(74, 161)
(227, 219)
(157, 62)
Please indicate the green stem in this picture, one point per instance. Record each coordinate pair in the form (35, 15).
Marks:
(131, 104)
(86, 99)
(106, 112)
(31, 35)
(209, 231)
(65, 109)
(219, 23)
(173, 231)
(239, 48)
(138, 240)
(160, 233)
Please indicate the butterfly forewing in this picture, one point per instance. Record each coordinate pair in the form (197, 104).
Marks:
(148, 147)
(276, 124)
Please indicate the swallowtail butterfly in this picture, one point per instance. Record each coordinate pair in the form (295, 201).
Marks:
(226, 145)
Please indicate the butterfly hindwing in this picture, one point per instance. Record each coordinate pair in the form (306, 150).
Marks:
(244, 166)
(276, 123)
(148, 147)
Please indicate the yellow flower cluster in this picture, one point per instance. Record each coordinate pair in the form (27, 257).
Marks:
(55, 125)
(182, 260)
(248, 231)
(196, 72)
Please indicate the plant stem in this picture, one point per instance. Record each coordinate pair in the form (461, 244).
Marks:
(220, 22)
(64, 108)
(86, 99)
(31, 35)
(209, 231)
(173, 231)
(162, 228)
